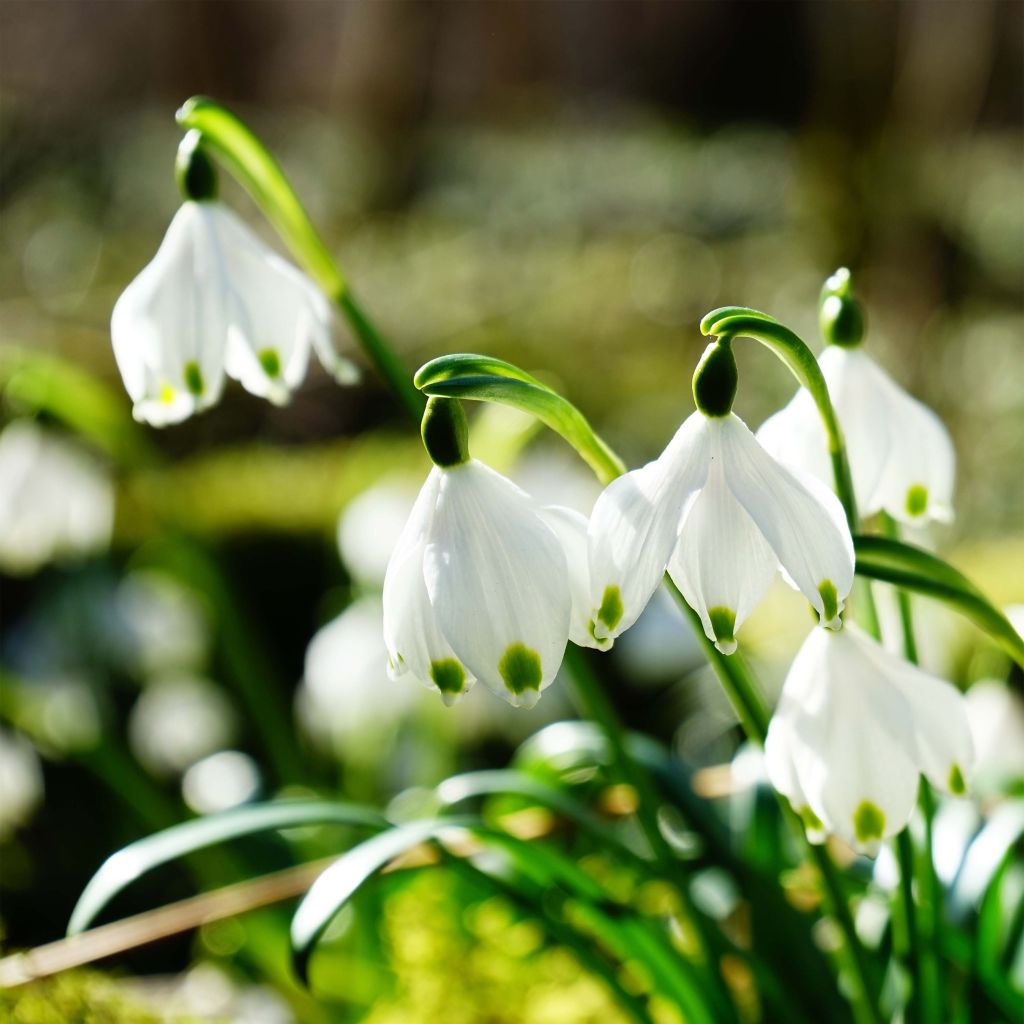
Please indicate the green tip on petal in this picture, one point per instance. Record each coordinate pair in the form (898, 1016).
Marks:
(957, 785)
(917, 499)
(194, 378)
(812, 823)
(723, 625)
(610, 612)
(868, 822)
(829, 604)
(520, 669)
(270, 361)
(449, 677)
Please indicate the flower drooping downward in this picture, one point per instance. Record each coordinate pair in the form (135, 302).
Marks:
(854, 729)
(216, 301)
(901, 456)
(484, 583)
(721, 515)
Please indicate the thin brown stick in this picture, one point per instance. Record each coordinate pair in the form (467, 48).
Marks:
(153, 925)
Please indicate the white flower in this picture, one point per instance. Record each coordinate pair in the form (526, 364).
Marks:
(901, 456)
(21, 781)
(215, 299)
(854, 728)
(721, 515)
(55, 501)
(481, 585)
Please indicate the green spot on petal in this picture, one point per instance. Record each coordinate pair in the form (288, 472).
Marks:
(448, 675)
(811, 821)
(957, 786)
(194, 378)
(868, 821)
(829, 600)
(520, 668)
(723, 625)
(610, 612)
(270, 361)
(917, 499)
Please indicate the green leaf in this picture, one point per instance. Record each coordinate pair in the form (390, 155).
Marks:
(233, 142)
(904, 565)
(135, 860)
(340, 882)
(483, 379)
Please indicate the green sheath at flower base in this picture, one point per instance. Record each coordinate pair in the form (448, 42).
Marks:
(715, 379)
(194, 170)
(840, 315)
(445, 432)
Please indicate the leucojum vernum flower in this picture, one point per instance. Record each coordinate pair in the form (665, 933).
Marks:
(485, 583)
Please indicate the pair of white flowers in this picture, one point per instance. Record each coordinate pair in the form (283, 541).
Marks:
(217, 302)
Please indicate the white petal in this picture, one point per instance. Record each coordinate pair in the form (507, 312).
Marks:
(721, 563)
(412, 635)
(800, 518)
(917, 482)
(497, 578)
(945, 751)
(571, 529)
(847, 736)
(169, 327)
(634, 526)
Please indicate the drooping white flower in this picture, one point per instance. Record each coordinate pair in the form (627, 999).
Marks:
(721, 515)
(901, 456)
(217, 300)
(481, 583)
(21, 781)
(55, 500)
(854, 729)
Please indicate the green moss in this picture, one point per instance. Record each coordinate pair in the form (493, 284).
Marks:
(917, 499)
(82, 997)
(520, 668)
(868, 821)
(448, 675)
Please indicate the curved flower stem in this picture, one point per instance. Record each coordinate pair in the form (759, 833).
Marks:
(249, 161)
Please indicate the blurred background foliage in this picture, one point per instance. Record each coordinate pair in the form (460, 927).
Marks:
(567, 186)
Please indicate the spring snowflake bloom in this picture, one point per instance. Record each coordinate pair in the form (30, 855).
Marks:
(901, 456)
(484, 583)
(217, 300)
(854, 729)
(721, 515)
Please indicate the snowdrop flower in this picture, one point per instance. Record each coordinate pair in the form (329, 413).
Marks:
(484, 583)
(855, 727)
(901, 456)
(55, 501)
(21, 781)
(721, 515)
(216, 300)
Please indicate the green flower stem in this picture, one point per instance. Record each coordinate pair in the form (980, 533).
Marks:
(594, 703)
(924, 929)
(225, 136)
(737, 321)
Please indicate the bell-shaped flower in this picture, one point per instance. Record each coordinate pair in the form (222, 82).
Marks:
(901, 456)
(854, 729)
(217, 300)
(481, 584)
(721, 515)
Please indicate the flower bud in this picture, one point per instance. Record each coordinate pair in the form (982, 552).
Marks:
(840, 315)
(715, 379)
(194, 170)
(444, 431)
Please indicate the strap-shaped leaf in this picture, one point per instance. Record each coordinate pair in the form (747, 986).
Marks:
(483, 379)
(904, 565)
(135, 860)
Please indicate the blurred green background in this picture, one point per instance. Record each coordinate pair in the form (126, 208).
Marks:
(568, 186)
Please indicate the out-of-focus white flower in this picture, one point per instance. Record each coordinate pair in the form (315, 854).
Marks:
(996, 715)
(220, 781)
(217, 300)
(60, 713)
(346, 694)
(901, 456)
(21, 781)
(369, 528)
(55, 500)
(178, 720)
(854, 729)
(721, 515)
